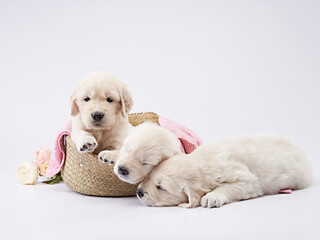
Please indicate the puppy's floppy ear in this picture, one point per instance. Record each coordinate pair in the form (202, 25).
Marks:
(74, 106)
(193, 198)
(125, 100)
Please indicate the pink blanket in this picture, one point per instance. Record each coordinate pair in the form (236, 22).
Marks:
(58, 155)
(188, 139)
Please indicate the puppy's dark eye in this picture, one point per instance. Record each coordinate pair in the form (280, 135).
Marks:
(87, 99)
(109, 99)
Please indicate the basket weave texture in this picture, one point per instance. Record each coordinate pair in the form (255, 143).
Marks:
(85, 174)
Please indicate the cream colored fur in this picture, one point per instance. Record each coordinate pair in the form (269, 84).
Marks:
(109, 133)
(145, 147)
(230, 170)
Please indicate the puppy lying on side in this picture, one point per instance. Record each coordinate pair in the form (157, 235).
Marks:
(100, 105)
(144, 148)
(230, 170)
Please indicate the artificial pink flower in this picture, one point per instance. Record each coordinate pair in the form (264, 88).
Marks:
(42, 155)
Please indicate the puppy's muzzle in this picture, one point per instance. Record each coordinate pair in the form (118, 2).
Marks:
(123, 171)
(97, 116)
(140, 193)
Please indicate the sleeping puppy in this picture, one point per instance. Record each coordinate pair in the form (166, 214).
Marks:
(144, 148)
(100, 105)
(230, 170)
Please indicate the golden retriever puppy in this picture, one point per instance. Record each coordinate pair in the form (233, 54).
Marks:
(144, 148)
(100, 105)
(230, 170)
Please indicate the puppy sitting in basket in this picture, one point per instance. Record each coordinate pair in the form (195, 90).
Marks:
(100, 105)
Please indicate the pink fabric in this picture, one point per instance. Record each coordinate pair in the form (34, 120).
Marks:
(285, 191)
(58, 154)
(188, 139)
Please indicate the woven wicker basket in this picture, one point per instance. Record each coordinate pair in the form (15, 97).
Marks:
(85, 174)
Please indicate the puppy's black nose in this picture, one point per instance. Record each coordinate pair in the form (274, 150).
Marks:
(140, 193)
(123, 171)
(97, 116)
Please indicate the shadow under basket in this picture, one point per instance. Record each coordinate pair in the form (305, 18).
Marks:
(85, 174)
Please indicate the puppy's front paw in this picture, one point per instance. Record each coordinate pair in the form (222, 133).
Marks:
(87, 144)
(213, 199)
(108, 157)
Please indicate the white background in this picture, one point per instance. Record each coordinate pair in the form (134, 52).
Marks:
(220, 68)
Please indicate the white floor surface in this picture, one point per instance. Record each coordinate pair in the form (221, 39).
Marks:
(55, 212)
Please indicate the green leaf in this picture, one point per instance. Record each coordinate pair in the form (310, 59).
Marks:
(56, 179)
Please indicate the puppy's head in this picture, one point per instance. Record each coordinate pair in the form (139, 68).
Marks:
(164, 186)
(145, 147)
(100, 100)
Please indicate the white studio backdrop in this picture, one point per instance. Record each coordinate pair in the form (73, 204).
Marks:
(220, 68)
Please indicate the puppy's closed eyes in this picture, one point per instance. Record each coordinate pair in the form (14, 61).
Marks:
(145, 147)
(230, 170)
